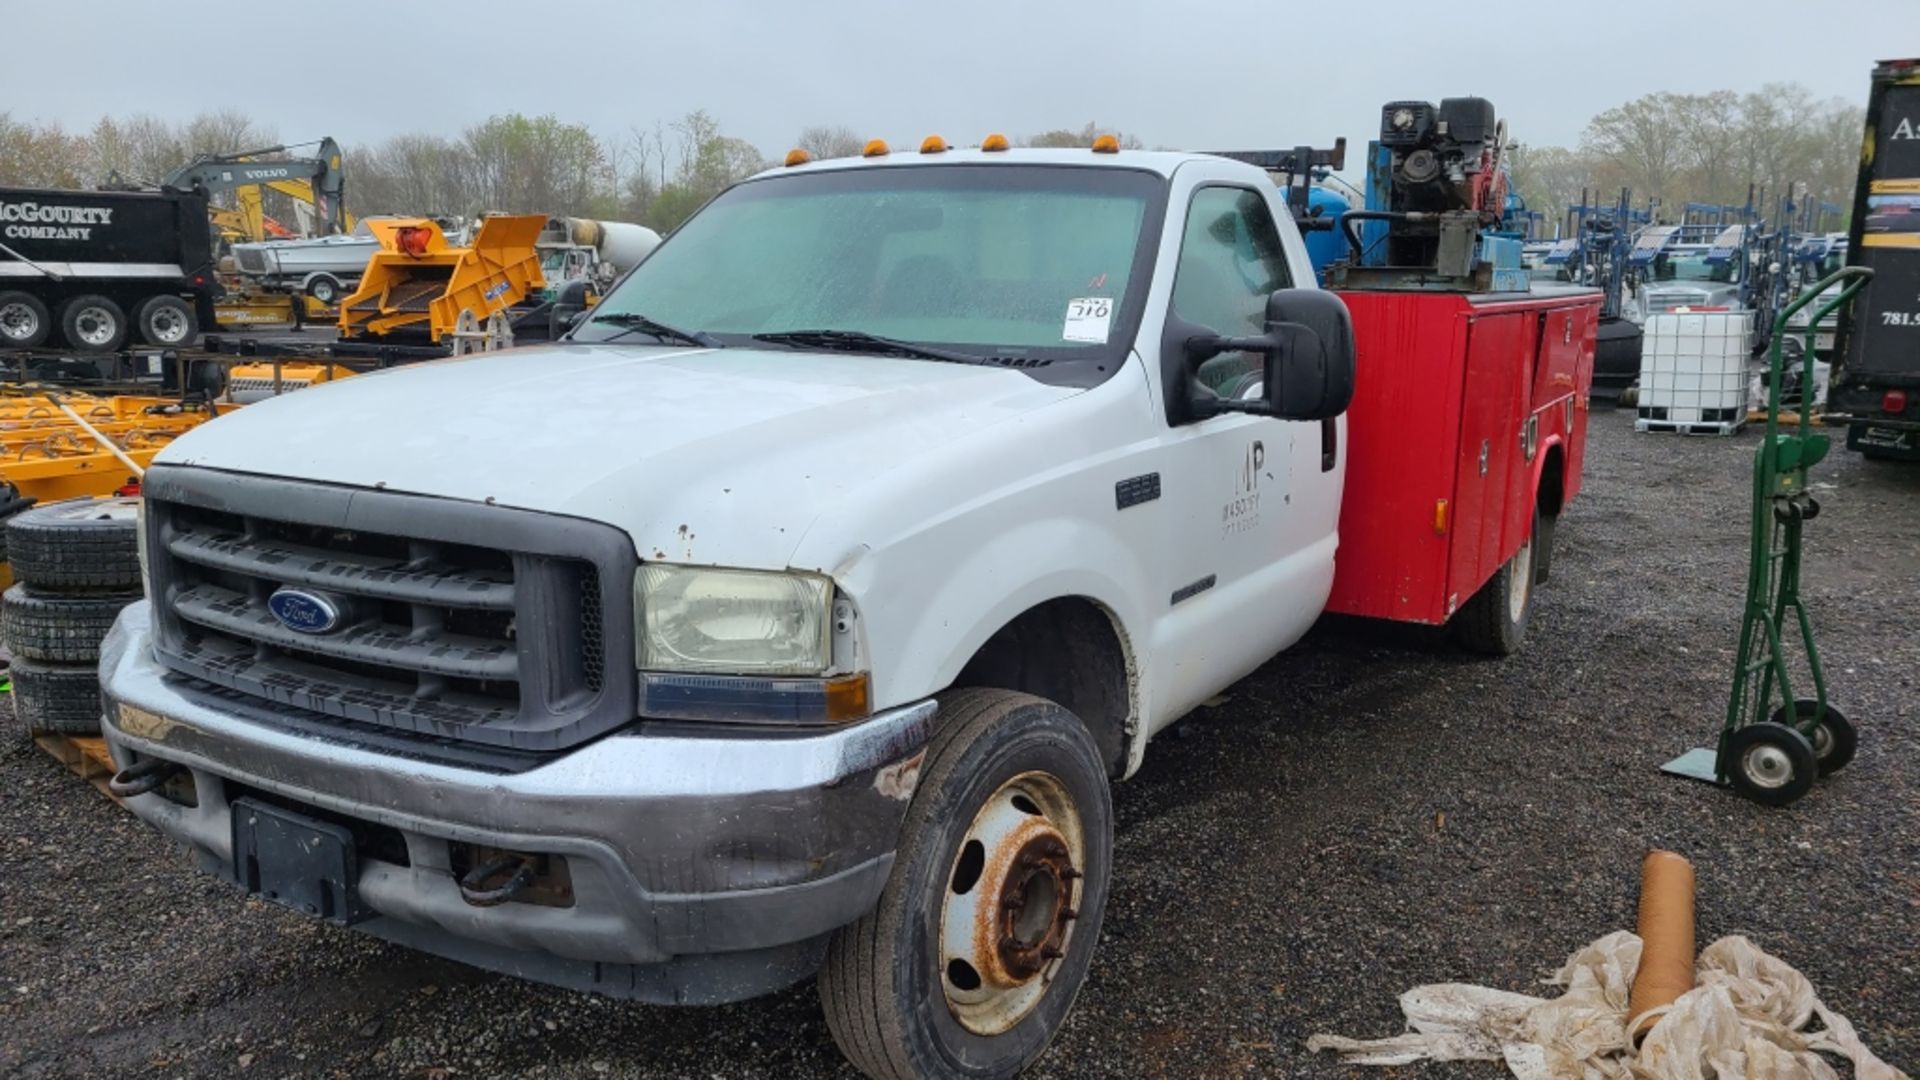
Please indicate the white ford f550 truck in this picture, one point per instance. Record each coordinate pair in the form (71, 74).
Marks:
(792, 616)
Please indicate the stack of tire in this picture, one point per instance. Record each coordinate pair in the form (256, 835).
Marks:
(75, 565)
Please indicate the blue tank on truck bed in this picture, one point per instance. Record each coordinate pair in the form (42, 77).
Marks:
(95, 269)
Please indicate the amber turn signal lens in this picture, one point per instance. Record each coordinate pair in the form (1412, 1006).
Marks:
(849, 697)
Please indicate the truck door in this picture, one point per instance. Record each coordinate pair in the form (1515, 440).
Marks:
(1247, 559)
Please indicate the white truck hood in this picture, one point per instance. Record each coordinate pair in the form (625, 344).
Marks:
(718, 456)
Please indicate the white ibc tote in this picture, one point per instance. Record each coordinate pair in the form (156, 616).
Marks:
(1693, 372)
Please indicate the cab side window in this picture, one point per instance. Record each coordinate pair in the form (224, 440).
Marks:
(1230, 260)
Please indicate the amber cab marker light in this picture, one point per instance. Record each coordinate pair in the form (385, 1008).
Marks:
(933, 144)
(797, 156)
(994, 143)
(1440, 517)
(1107, 144)
(875, 148)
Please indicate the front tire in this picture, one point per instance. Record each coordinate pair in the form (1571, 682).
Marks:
(970, 961)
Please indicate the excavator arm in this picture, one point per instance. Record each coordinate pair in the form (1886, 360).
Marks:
(319, 181)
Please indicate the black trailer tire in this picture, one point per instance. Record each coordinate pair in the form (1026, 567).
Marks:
(1770, 763)
(63, 698)
(77, 544)
(889, 999)
(24, 320)
(1493, 622)
(325, 289)
(93, 324)
(56, 628)
(167, 322)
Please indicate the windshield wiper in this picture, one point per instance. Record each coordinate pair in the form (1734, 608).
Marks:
(632, 322)
(859, 341)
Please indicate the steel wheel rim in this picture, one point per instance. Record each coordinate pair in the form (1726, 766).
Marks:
(94, 325)
(1009, 903)
(322, 291)
(1822, 740)
(1767, 766)
(169, 324)
(18, 321)
(1520, 584)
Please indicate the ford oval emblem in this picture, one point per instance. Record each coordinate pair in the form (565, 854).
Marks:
(303, 611)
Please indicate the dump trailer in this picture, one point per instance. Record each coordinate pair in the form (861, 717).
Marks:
(91, 269)
(1877, 380)
(418, 286)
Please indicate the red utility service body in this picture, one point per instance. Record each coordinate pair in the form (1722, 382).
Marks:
(1466, 407)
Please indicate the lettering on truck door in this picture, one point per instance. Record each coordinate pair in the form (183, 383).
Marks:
(1236, 538)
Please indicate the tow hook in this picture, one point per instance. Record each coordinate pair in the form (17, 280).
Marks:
(496, 882)
(142, 777)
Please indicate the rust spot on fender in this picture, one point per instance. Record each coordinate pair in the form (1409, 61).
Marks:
(898, 780)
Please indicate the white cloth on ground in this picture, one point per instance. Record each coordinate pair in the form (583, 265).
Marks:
(1745, 1019)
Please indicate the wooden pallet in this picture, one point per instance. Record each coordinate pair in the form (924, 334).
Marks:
(85, 755)
(1759, 416)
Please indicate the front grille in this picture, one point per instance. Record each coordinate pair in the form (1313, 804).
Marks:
(509, 643)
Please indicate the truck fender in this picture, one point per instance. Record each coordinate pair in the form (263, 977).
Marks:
(1548, 487)
(928, 626)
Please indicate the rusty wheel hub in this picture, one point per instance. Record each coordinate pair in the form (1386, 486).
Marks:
(1009, 908)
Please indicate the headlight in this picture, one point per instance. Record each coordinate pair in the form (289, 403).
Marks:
(1402, 119)
(734, 622)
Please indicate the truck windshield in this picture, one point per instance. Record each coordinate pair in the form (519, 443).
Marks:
(1693, 266)
(994, 260)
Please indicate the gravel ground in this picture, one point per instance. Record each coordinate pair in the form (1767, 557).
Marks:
(1368, 812)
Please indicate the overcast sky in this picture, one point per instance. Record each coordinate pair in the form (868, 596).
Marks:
(1198, 74)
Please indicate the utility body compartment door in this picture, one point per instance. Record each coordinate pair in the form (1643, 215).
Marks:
(1490, 468)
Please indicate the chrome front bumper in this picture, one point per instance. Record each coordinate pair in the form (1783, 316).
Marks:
(704, 867)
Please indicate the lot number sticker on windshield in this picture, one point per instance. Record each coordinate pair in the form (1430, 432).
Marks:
(1087, 319)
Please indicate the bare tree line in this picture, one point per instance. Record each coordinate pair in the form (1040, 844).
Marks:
(1704, 148)
(1677, 147)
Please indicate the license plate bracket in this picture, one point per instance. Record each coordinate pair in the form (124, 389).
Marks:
(297, 862)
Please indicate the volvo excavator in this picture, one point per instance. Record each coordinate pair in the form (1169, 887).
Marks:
(318, 182)
(316, 185)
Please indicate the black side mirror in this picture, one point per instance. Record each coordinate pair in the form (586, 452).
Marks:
(1308, 349)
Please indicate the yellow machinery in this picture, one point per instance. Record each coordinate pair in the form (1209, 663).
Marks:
(418, 288)
(49, 456)
(251, 382)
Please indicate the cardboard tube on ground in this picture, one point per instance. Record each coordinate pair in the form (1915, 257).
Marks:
(1666, 932)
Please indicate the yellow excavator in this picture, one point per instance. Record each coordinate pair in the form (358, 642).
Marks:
(316, 185)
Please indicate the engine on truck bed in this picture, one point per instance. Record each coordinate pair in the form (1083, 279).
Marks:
(1436, 183)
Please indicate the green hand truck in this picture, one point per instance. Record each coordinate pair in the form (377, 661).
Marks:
(1773, 753)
